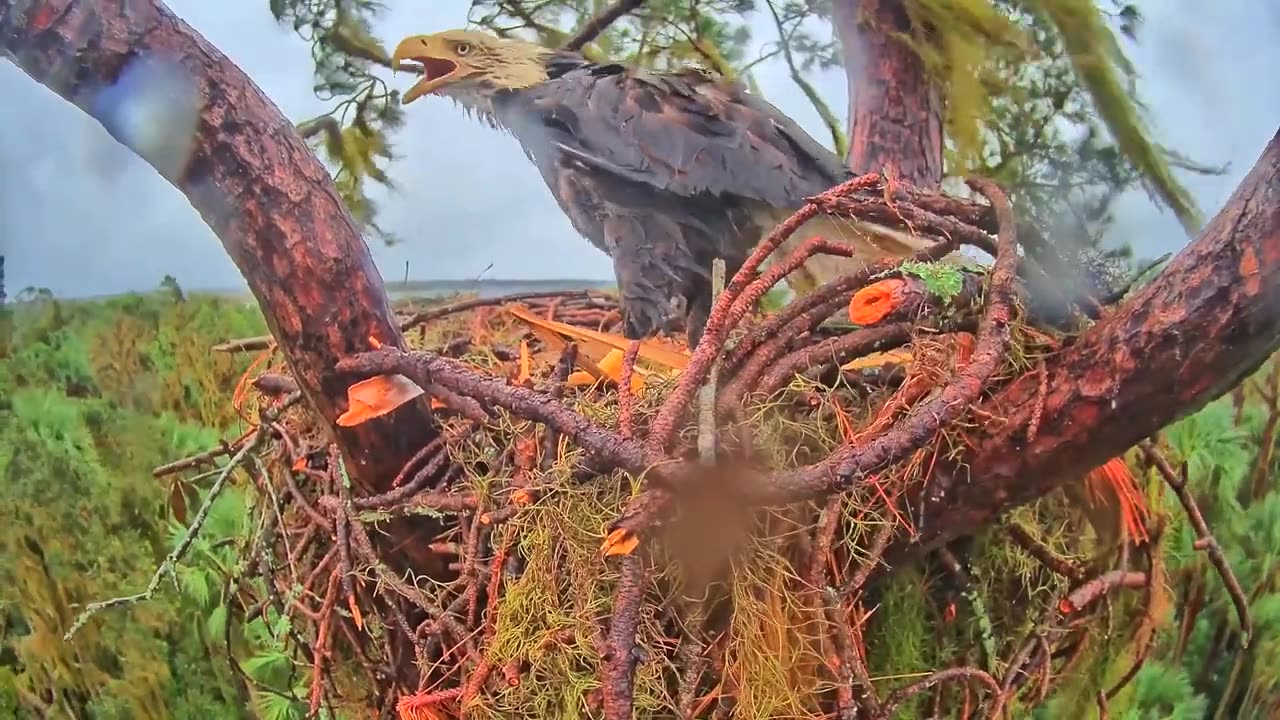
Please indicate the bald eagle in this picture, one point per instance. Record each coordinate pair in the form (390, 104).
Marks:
(663, 171)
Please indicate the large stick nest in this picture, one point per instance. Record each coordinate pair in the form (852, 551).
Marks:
(567, 551)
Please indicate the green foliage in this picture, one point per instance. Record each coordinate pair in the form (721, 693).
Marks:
(1199, 667)
(95, 395)
(1041, 98)
(1103, 70)
(659, 34)
(941, 279)
(354, 135)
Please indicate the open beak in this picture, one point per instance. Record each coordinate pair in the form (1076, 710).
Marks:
(415, 55)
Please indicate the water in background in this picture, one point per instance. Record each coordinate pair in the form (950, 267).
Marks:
(487, 288)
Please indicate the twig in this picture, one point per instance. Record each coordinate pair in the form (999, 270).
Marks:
(875, 554)
(324, 638)
(852, 671)
(839, 138)
(832, 351)
(977, 606)
(905, 693)
(170, 564)
(420, 479)
(1017, 666)
(1145, 633)
(262, 342)
(1041, 552)
(597, 440)
(823, 537)
(905, 297)
(275, 384)
(463, 305)
(389, 581)
(203, 458)
(823, 302)
(726, 313)
(249, 344)
(690, 660)
(1178, 483)
(559, 379)
(1093, 590)
(626, 396)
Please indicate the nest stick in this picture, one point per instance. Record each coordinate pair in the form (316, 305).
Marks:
(905, 693)
(707, 394)
(1178, 483)
(619, 659)
(854, 462)
(729, 310)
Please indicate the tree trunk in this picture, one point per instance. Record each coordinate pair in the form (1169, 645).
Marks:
(1209, 320)
(256, 184)
(895, 111)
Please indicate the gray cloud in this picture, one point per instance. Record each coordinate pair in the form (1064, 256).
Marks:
(80, 215)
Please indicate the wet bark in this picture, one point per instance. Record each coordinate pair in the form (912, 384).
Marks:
(256, 184)
(1210, 319)
(895, 110)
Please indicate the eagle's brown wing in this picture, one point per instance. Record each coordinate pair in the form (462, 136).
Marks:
(664, 172)
(683, 132)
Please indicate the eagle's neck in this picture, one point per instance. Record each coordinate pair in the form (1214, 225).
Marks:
(477, 102)
(490, 100)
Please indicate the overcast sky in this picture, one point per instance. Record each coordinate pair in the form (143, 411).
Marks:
(82, 216)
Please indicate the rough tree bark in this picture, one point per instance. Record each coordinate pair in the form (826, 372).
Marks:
(895, 110)
(260, 189)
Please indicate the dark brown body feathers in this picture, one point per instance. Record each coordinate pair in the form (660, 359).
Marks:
(664, 172)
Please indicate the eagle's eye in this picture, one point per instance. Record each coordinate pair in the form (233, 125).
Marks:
(462, 49)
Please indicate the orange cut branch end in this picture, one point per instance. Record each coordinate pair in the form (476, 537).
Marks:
(377, 396)
(874, 302)
(620, 542)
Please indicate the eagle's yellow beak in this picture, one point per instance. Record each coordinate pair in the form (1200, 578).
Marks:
(430, 57)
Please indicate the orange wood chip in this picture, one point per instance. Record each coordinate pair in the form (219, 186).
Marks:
(964, 348)
(525, 376)
(355, 613)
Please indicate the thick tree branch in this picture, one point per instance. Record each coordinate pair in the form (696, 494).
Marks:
(256, 184)
(601, 22)
(895, 112)
(1208, 320)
